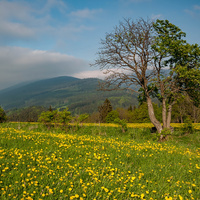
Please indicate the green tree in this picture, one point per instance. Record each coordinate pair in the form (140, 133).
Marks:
(124, 114)
(29, 114)
(154, 57)
(3, 116)
(55, 117)
(111, 116)
(104, 110)
(80, 119)
(185, 110)
(48, 117)
(183, 61)
(130, 108)
(63, 117)
(140, 114)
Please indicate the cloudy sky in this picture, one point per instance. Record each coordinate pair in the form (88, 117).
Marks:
(48, 38)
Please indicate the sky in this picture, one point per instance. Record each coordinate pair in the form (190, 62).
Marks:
(48, 38)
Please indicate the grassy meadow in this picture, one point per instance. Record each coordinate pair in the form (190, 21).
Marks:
(93, 162)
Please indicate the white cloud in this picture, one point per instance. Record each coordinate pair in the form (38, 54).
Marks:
(101, 74)
(15, 10)
(21, 20)
(21, 64)
(194, 12)
(196, 7)
(15, 30)
(91, 74)
(85, 13)
(55, 3)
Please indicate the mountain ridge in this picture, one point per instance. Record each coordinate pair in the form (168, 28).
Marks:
(80, 95)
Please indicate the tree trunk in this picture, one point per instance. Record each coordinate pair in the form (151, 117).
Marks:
(164, 113)
(181, 119)
(169, 117)
(152, 117)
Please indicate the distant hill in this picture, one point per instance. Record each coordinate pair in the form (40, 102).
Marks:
(80, 95)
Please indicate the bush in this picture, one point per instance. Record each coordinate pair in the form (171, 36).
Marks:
(188, 128)
(51, 118)
(122, 123)
(164, 133)
(3, 117)
(48, 117)
(111, 116)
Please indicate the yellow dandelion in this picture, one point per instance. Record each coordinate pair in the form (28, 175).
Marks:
(180, 197)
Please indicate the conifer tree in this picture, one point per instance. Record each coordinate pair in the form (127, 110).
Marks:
(104, 110)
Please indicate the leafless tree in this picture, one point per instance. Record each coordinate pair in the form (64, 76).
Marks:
(127, 56)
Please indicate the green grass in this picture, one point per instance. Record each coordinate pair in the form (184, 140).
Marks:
(96, 163)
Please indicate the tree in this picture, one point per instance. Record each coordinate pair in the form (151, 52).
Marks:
(140, 114)
(3, 117)
(63, 117)
(153, 60)
(29, 114)
(111, 116)
(183, 61)
(185, 110)
(48, 117)
(104, 110)
(55, 117)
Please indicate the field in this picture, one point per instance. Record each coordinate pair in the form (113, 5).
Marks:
(96, 163)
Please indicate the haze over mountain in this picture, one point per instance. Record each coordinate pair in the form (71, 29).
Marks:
(80, 95)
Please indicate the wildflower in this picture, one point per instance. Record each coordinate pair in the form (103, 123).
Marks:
(180, 197)
(168, 198)
(76, 195)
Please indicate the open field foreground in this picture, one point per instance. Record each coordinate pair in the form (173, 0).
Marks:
(95, 163)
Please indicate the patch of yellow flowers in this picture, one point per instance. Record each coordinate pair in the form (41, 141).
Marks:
(36, 165)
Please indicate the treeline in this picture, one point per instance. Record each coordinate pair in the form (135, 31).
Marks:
(183, 111)
(29, 114)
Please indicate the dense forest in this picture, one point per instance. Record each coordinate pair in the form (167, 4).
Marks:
(183, 112)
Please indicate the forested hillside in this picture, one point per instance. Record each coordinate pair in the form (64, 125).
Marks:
(79, 95)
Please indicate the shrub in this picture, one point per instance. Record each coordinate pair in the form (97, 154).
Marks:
(188, 128)
(164, 133)
(3, 117)
(111, 116)
(51, 118)
(122, 123)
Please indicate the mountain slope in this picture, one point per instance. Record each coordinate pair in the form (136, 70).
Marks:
(80, 95)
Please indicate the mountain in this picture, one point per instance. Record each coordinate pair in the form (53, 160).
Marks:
(79, 95)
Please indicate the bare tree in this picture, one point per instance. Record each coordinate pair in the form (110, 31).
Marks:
(135, 56)
(127, 56)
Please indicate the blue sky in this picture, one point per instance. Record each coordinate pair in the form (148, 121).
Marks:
(48, 38)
